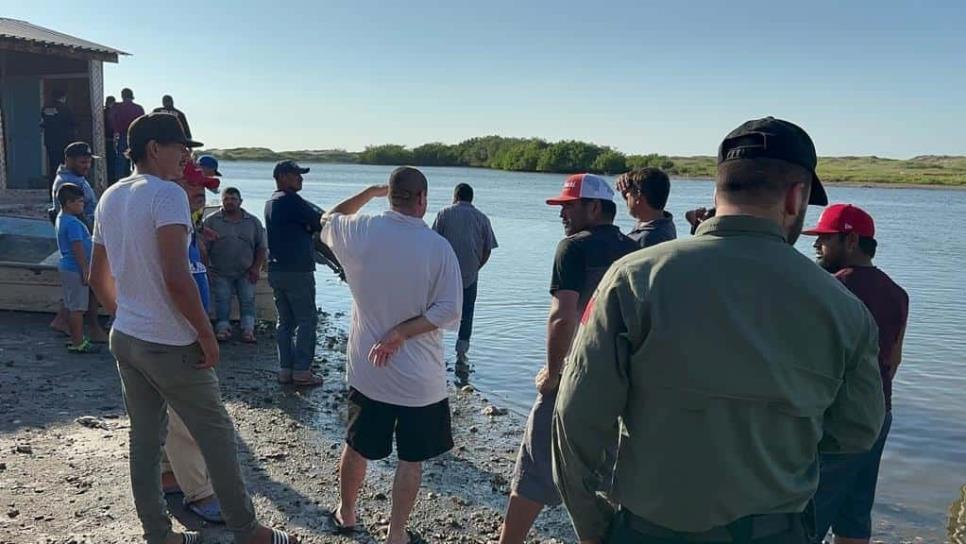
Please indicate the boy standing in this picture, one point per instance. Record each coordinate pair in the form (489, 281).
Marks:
(74, 243)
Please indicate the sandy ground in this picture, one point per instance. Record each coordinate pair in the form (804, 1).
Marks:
(63, 450)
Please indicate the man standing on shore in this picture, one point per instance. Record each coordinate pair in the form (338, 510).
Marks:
(592, 244)
(845, 247)
(124, 114)
(723, 411)
(167, 106)
(468, 230)
(405, 283)
(110, 145)
(235, 260)
(646, 191)
(162, 339)
(290, 222)
(59, 126)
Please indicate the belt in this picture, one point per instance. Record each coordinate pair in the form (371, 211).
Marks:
(755, 527)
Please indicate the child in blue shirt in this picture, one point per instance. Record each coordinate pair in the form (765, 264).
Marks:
(74, 243)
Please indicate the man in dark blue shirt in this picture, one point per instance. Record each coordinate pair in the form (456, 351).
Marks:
(290, 222)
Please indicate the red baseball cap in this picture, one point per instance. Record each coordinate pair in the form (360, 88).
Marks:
(194, 176)
(843, 219)
(580, 186)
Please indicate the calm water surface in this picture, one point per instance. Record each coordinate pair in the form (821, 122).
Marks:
(921, 246)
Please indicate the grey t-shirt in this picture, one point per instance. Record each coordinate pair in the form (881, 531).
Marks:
(651, 233)
(233, 253)
(469, 232)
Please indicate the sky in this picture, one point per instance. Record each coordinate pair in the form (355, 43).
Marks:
(885, 78)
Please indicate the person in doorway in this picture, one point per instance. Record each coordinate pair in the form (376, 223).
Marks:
(646, 191)
(290, 222)
(59, 127)
(123, 115)
(845, 246)
(723, 411)
(167, 106)
(162, 339)
(74, 243)
(468, 230)
(405, 283)
(592, 244)
(236, 256)
(110, 142)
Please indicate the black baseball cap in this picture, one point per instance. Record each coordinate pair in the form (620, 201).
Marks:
(161, 127)
(79, 149)
(772, 138)
(288, 167)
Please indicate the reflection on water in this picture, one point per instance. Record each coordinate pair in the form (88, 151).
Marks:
(957, 519)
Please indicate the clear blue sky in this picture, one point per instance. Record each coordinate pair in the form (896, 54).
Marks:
(886, 78)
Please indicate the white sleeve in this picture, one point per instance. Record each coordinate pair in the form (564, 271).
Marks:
(447, 305)
(170, 207)
(342, 233)
(97, 237)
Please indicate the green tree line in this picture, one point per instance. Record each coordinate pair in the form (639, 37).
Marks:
(516, 154)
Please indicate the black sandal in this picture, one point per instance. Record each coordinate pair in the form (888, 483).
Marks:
(337, 527)
(279, 537)
(414, 537)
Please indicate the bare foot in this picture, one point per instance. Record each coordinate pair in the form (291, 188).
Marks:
(169, 482)
(60, 326)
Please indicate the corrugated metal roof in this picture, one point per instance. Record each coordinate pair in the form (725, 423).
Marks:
(22, 30)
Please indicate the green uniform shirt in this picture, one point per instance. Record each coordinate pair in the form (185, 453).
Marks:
(731, 360)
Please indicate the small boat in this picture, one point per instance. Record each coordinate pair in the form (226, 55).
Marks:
(29, 281)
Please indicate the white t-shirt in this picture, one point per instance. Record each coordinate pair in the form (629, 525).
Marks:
(126, 222)
(397, 269)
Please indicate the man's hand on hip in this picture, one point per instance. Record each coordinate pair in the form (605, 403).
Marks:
(210, 353)
(384, 349)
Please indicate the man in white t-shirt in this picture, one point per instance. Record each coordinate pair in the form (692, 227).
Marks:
(162, 339)
(406, 287)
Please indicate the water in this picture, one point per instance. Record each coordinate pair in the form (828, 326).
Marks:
(921, 247)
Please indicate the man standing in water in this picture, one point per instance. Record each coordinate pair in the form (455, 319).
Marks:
(592, 244)
(845, 247)
(645, 192)
(162, 339)
(405, 283)
(723, 411)
(468, 230)
(290, 222)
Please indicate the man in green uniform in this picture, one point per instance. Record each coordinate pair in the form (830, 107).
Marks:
(730, 360)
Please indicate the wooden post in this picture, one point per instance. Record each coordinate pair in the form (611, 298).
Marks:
(3, 147)
(96, 82)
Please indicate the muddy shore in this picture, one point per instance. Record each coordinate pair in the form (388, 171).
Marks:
(63, 449)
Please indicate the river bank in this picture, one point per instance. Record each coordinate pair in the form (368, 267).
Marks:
(63, 449)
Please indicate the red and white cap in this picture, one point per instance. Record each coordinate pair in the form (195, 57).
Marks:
(580, 186)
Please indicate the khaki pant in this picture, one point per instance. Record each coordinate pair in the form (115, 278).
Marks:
(182, 456)
(154, 376)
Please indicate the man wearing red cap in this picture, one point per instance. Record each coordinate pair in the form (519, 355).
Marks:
(845, 247)
(592, 244)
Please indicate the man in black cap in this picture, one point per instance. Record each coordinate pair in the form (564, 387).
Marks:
(167, 106)
(290, 222)
(724, 411)
(78, 160)
(162, 339)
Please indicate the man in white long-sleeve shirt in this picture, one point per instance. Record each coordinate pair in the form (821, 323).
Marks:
(406, 287)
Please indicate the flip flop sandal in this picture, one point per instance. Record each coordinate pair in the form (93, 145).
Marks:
(337, 527)
(173, 490)
(210, 512)
(249, 338)
(223, 336)
(191, 538)
(84, 347)
(279, 537)
(414, 537)
(311, 381)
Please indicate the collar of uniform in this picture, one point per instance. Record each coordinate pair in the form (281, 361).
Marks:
(408, 219)
(739, 225)
(644, 225)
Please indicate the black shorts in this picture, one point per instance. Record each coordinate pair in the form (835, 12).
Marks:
(421, 432)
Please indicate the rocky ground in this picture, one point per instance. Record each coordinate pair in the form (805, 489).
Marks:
(63, 449)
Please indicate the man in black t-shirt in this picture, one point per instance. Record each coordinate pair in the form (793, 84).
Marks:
(290, 222)
(592, 244)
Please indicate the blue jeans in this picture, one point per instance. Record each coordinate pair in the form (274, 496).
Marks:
(223, 288)
(295, 331)
(846, 490)
(466, 321)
